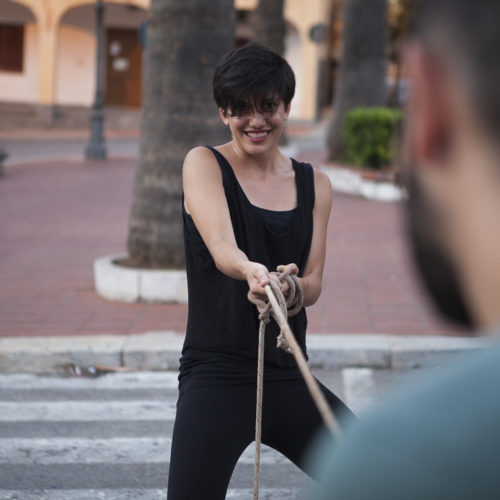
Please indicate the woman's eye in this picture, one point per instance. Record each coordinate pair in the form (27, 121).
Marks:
(270, 107)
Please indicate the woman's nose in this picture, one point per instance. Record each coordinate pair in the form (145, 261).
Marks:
(257, 119)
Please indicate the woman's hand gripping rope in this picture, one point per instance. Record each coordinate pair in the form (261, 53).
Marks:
(280, 309)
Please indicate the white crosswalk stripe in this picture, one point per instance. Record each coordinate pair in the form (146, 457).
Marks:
(113, 450)
(87, 411)
(358, 388)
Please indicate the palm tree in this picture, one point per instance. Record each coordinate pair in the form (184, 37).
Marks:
(362, 64)
(269, 29)
(185, 40)
(268, 25)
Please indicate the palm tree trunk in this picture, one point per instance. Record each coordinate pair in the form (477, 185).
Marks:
(362, 64)
(269, 29)
(268, 25)
(185, 40)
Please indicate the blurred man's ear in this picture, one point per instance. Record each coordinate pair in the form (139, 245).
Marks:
(429, 106)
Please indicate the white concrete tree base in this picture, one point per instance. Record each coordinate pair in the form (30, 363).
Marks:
(128, 284)
(347, 181)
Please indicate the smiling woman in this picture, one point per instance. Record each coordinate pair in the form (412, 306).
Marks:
(247, 209)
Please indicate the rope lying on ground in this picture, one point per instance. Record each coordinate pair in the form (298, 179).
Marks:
(279, 309)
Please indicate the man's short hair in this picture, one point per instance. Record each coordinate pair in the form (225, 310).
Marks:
(249, 75)
(466, 34)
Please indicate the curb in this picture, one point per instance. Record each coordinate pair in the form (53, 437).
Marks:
(161, 351)
(50, 157)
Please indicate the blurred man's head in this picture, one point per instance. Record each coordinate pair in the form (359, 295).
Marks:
(452, 155)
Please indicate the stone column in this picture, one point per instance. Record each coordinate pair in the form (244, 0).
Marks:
(47, 54)
(305, 15)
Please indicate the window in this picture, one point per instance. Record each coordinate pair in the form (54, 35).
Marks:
(11, 47)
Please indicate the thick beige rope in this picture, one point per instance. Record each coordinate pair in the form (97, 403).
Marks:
(279, 309)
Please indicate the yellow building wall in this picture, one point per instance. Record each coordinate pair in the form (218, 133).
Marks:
(75, 72)
(293, 54)
(245, 4)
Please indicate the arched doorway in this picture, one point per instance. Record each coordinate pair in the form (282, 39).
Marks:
(77, 59)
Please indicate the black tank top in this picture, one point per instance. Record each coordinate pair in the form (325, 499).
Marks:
(220, 317)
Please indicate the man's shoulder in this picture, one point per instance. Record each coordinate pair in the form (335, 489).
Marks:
(473, 375)
(444, 427)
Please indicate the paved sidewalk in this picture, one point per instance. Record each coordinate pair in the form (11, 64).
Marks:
(57, 216)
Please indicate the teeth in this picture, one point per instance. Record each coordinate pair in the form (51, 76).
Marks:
(256, 135)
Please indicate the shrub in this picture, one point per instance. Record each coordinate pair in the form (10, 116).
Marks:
(367, 136)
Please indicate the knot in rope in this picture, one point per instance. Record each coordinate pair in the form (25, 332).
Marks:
(289, 306)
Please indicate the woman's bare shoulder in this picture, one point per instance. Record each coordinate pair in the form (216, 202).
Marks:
(322, 187)
(198, 153)
(200, 161)
(322, 182)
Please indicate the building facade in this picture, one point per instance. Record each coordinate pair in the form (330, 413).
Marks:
(48, 53)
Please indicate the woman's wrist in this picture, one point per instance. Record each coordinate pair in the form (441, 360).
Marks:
(245, 269)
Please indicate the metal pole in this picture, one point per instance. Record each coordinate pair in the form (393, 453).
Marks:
(96, 150)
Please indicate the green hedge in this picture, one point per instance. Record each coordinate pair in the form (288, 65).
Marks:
(367, 136)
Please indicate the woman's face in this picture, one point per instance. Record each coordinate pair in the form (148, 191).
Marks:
(256, 131)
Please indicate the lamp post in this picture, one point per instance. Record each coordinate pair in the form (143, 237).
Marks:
(96, 150)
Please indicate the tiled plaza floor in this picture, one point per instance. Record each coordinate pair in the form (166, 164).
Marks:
(56, 217)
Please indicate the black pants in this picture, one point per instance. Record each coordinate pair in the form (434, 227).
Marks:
(214, 425)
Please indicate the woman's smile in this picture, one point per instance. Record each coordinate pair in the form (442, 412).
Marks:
(257, 136)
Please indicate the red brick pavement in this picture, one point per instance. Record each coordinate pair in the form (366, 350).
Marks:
(57, 217)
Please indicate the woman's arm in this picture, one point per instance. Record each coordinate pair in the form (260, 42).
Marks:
(313, 273)
(205, 201)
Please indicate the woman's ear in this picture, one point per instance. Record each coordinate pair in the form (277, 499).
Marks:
(223, 116)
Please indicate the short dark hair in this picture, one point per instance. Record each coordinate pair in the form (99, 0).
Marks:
(250, 74)
(466, 34)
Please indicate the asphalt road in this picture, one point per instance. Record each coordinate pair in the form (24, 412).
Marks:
(109, 438)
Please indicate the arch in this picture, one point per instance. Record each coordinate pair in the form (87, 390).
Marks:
(71, 4)
(17, 9)
(116, 13)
